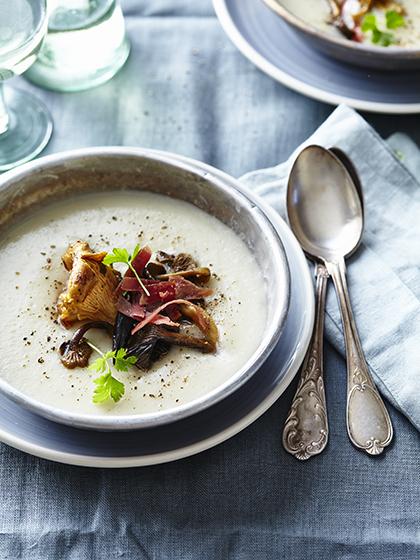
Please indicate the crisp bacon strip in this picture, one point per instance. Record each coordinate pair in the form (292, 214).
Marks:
(164, 320)
(131, 284)
(164, 291)
(159, 292)
(133, 310)
(149, 317)
(187, 290)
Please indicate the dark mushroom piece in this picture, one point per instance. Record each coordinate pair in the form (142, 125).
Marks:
(76, 351)
(147, 346)
(203, 321)
(177, 263)
(155, 269)
(182, 264)
(122, 331)
(197, 275)
(183, 261)
(151, 342)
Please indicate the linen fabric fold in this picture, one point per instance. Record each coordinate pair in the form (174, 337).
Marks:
(384, 274)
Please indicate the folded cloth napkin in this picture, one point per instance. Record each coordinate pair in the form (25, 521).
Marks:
(384, 274)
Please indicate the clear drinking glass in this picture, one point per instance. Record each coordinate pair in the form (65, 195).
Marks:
(25, 124)
(85, 46)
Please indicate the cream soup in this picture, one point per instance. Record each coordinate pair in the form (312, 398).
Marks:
(316, 12)
(33, 276)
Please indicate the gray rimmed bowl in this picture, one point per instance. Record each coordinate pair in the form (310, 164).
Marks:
(67, 174)
(369, 56)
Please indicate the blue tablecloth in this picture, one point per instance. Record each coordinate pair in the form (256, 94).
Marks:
(185, 88)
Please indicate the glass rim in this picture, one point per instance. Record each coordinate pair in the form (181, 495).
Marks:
(43, 22)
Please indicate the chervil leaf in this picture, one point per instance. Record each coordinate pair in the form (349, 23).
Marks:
(122, 362)
(108, 387)
(394, 19)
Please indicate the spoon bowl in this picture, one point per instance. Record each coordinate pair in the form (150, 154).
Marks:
(324, 206)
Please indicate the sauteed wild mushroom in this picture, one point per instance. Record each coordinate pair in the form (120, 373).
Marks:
(147, 310)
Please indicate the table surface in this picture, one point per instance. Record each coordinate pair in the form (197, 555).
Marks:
(185, 88)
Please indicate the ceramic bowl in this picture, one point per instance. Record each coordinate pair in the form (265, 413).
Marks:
(332, 44)
(62, 176)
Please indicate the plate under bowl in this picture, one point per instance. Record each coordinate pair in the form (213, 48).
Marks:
(65, 175)
(370, 56)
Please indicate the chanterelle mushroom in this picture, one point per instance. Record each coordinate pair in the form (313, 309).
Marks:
(90, 292)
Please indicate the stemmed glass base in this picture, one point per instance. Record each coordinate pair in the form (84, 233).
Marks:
(28, 130)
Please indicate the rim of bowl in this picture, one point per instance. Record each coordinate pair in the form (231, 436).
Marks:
(269, 339)
(306, 27)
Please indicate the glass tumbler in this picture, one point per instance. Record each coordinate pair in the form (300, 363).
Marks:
(25, 124)
(85, 46)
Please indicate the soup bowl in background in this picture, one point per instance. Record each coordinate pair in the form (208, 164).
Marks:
(309, 19)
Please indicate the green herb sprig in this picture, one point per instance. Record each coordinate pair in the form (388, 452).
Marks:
(393, 20)
(107, 386)
(121, 255)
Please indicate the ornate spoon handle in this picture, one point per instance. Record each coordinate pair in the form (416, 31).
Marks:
(306, 429)
(368, 422)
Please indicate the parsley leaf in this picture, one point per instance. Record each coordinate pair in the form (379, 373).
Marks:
(108, 387)
(368, 23)
(100, 365)
(382, 38)
(121, 255)
(394, 19)
(117, 256)
(378, 36)
(122, 362)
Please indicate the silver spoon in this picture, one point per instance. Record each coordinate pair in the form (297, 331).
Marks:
(306, 429)
(326, 215)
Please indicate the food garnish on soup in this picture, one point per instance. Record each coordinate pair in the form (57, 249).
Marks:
(374, 21)
(156, 303)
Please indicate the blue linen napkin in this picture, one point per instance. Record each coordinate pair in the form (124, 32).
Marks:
(384, 274)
